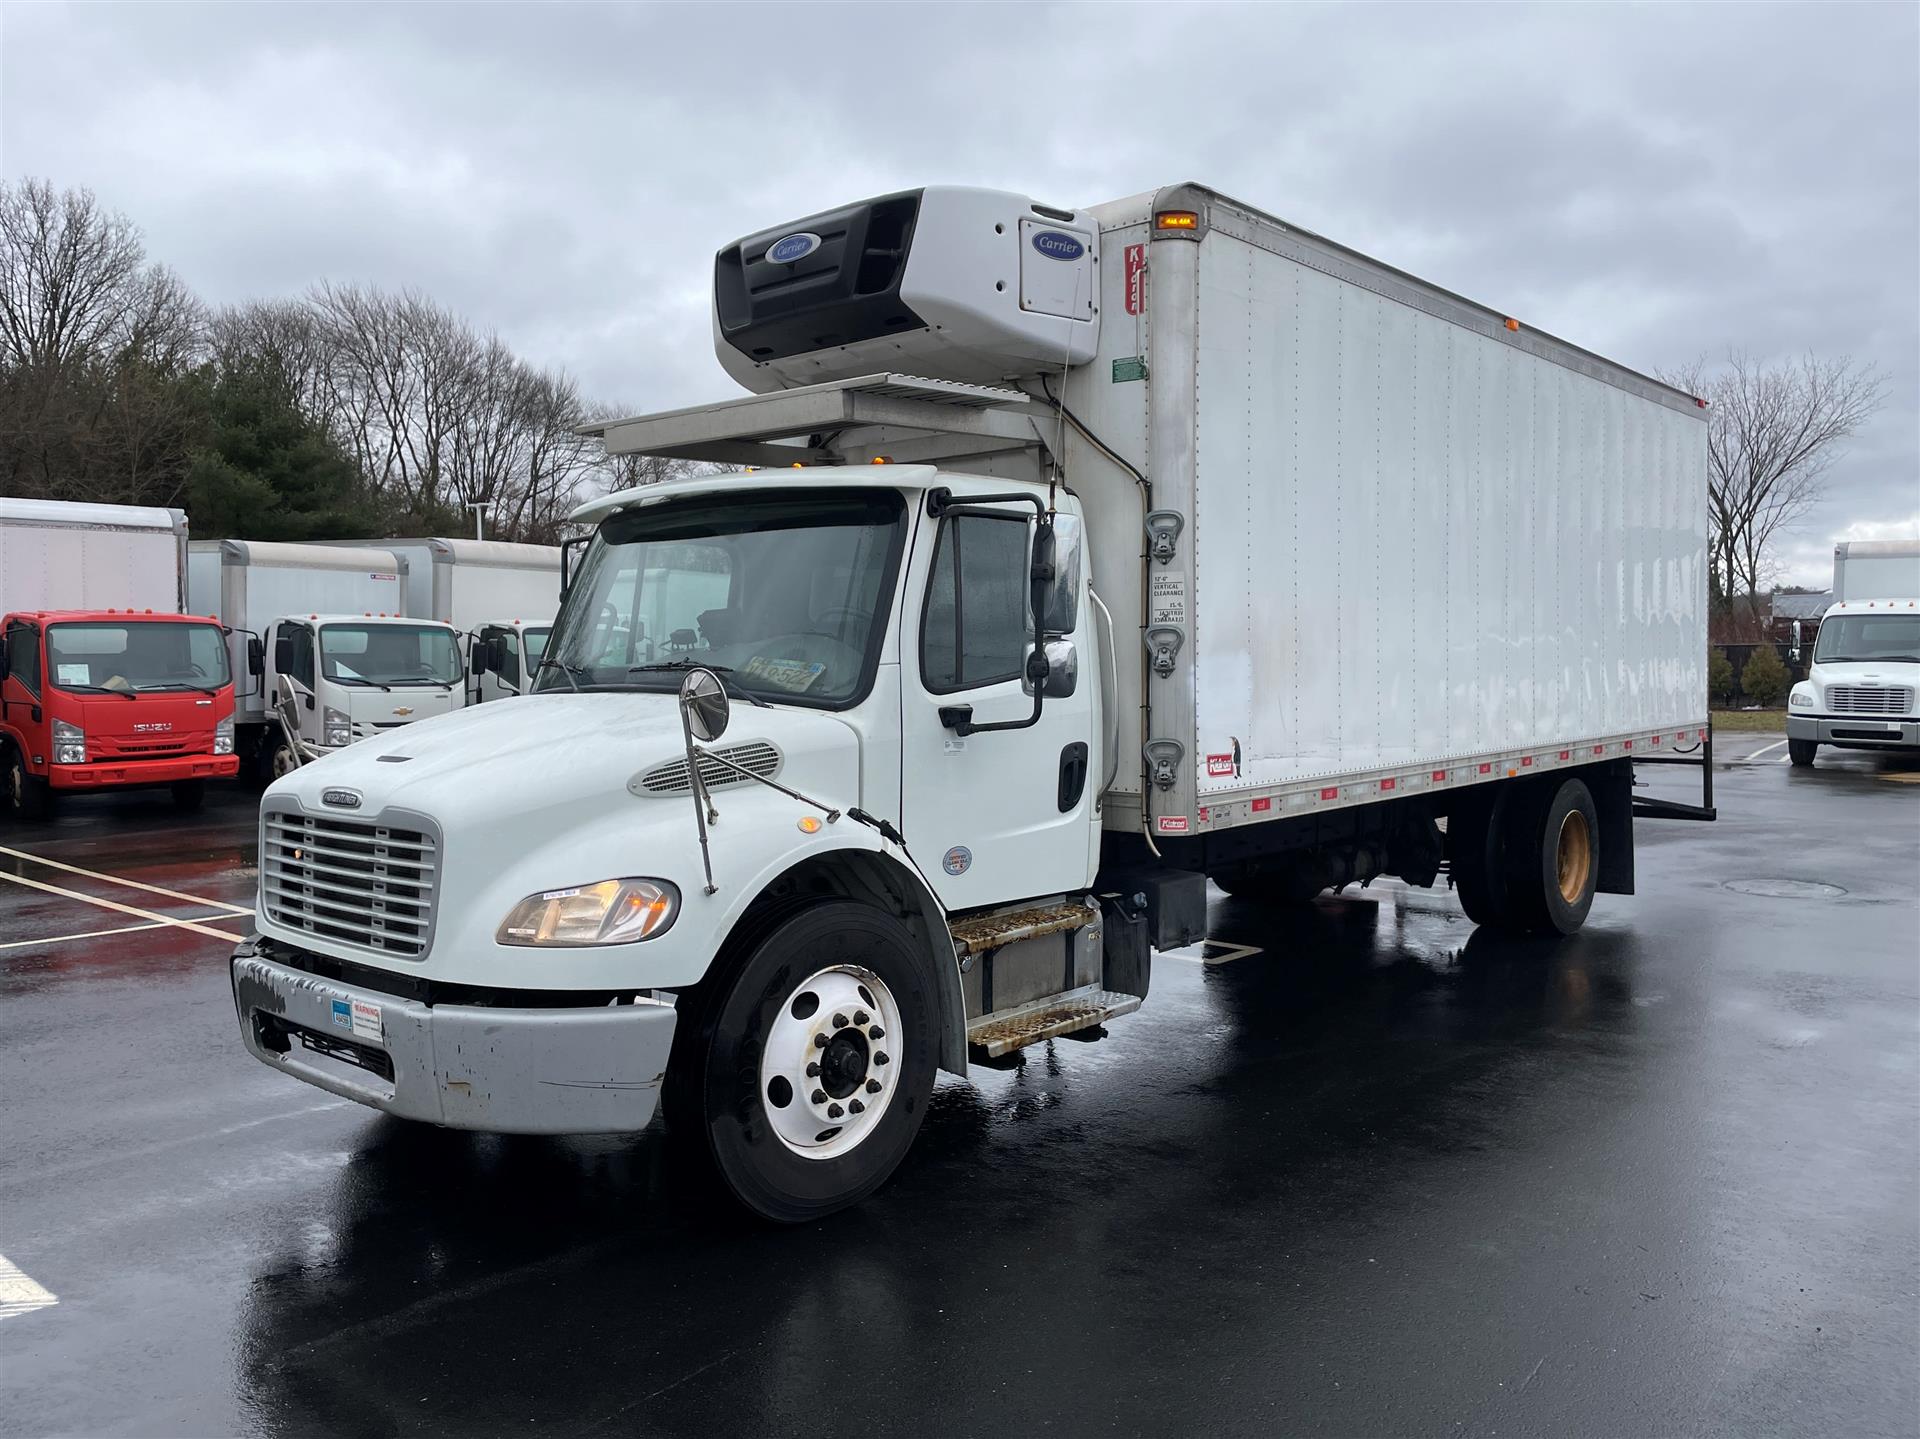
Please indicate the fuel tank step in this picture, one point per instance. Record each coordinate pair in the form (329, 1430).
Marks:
(1003, 1033)
(996, 931)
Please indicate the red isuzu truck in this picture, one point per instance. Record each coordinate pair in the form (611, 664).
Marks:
(104, 684)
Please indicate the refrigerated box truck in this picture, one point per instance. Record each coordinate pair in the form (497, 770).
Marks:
(1073, 557)
(327, 623)
(104, 684)
(1860, 687)
(500, 597)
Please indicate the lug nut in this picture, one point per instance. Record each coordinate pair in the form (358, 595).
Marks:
(873, 1086)
(860, 1016)
(839, 1021)
(819, 1041)
(834, 1111)
(819, 1096)
(880, 1058)
(813, 1071)
(876, 1033)
(854, 1106)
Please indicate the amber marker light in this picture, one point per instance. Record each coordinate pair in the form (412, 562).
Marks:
(1177, 220)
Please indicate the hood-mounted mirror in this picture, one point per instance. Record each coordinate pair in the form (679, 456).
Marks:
(703, 701)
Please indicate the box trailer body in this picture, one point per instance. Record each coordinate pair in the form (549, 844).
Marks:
(90, 601)
(468, 583)
(1862, 683)
(309, 621)
(1080, 557)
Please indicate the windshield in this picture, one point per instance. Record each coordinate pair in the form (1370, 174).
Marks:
(788, 592)
(534, 642)
(1868, 637)
(390, 654)
(157, 655)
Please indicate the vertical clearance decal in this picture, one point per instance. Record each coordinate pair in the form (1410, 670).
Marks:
(1136, 278)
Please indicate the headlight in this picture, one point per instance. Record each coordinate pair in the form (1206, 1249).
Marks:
(69, 743)
(614, 911)
(1801, 699)
(223, 736)
(339, 728)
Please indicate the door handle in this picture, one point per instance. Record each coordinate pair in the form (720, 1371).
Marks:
(1073, 775)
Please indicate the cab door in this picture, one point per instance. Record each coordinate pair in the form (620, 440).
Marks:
(1000, 814)
(290, 654)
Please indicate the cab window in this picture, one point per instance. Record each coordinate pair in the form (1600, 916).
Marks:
(974, 630)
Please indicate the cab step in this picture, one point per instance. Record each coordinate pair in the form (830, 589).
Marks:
(1056, 1015)
(986, 932)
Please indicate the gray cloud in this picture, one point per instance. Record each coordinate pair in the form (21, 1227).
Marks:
(1652, 183)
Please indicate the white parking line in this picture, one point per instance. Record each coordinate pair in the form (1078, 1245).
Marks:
(127, 883)
(20, 1294)
(84, 934)
(113, 904)
(1749, 759)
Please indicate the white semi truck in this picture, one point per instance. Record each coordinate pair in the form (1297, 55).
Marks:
(1860, 687)
(500, 596)
(328, 624)
(1076, 556)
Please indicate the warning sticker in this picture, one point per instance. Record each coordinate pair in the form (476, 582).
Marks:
(1167, 599)
(1136, 278)
(1171, 824)
(366, 1020)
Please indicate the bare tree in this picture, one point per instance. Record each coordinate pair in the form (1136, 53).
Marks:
(1773, 431)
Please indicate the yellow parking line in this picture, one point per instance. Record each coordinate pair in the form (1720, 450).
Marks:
(128, 883)
(112, 904)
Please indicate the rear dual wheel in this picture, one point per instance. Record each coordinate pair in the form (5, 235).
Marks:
(1527, 858)
(804, 1064)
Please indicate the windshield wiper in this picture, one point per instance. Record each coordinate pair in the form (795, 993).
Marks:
(356, 680)
(565, 669)
(178, 685)
(101, 690)
(686, 663)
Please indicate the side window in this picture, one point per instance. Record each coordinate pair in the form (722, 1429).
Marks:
(974, 630)
(509, 658)
(23, 656)
(303, 655)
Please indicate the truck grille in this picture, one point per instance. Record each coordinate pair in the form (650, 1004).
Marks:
(365, 729)
(1869, 699)
(759, 758)
(360, 882)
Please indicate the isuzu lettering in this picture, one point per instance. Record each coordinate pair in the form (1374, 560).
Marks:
(1069, 558)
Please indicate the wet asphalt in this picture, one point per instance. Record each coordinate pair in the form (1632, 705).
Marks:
(1384, 1176)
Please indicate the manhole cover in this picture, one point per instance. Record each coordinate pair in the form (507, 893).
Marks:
(1786, 888)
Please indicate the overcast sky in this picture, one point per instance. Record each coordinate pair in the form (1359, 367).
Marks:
(1652, 183)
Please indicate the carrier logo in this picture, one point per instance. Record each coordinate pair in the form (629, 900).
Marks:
(341, 798)
(1058, 245)
(790, 249)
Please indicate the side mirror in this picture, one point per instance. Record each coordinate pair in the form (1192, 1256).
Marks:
(1058, 674)
(478, 653)
(704, 706)
(567, 547)
(283, 652)
(1794, 653)
(1065, 558)
(256, 656)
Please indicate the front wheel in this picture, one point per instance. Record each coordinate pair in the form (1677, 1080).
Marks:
(805, 1071)
(1801, 752)
(28, 795)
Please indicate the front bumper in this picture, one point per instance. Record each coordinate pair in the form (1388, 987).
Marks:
(1855, 731)
(498, 1070)
(113, 774)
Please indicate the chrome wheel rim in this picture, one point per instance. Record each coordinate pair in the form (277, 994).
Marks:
(831, 1062)
(283, 762)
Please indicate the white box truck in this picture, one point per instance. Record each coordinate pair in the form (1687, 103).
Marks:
(328, 622)
(1860, 687)
(1076, 556)
(500, 596)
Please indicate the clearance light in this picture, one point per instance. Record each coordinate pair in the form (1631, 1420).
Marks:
(1513, 324)
(809, 824)
(797, 465)
(1177, 220)
(880, 460)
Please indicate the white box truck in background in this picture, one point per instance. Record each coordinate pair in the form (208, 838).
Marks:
(328, 620)
(499, 595)
(1081, 556)
(1860, 688)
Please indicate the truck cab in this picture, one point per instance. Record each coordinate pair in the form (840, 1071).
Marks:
(354, 676)
(1860, 685)
(100, 699)
(503, 656)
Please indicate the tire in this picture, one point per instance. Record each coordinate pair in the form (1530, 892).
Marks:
(189, 794)
(750, 1035)
(1801, 752)
(1556, 862)
(278, 760)
(1476, 848)
(28, 795)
